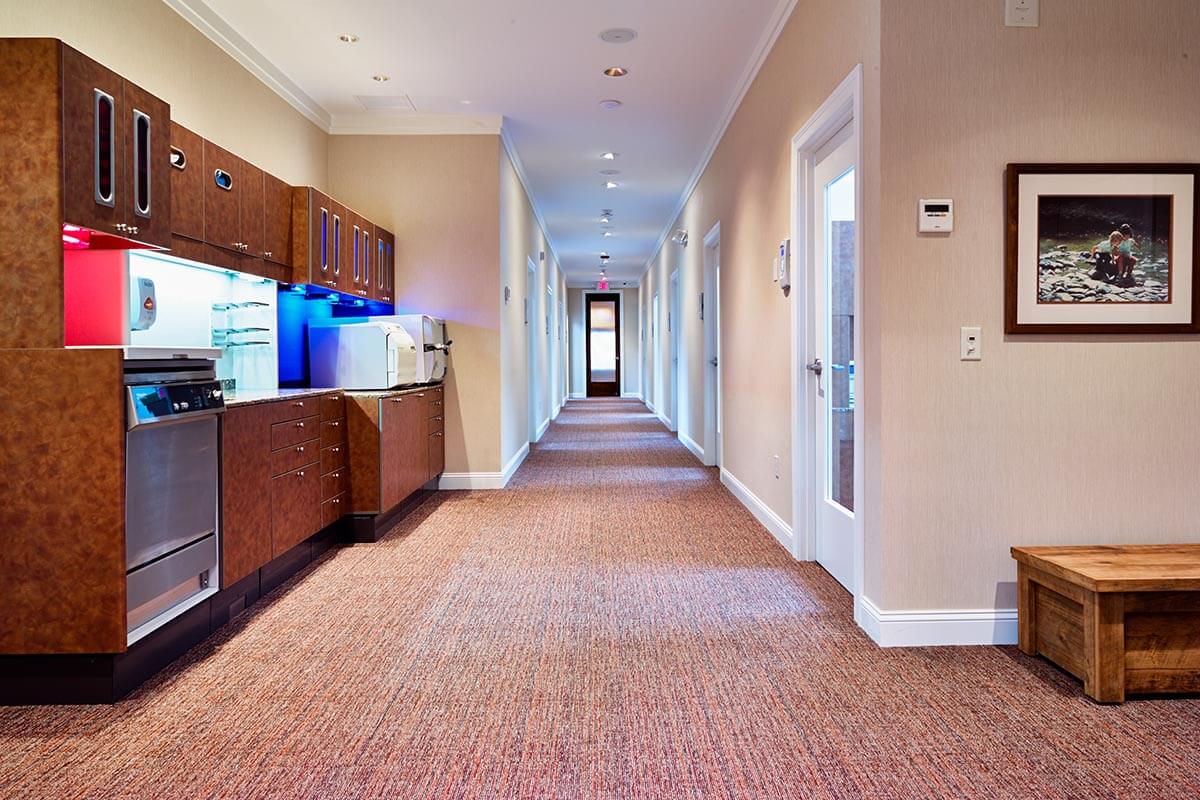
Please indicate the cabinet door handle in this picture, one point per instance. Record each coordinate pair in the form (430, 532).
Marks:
(336, 424)
(397, 399)
(142, 164)
(223, 180)
(268, 254)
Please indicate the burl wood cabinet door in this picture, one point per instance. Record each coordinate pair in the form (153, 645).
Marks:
(93, 103)
(437, 454)
(277, 220)
(295, 507)
(222, 209)
(147, 167)
(245, 487)
(187, 183)
(320, 240)
(250, 213)
(403, 452)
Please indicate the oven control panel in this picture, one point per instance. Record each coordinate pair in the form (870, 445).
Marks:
(155, 402)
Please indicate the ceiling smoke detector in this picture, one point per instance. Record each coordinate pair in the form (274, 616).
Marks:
(610, 105)
(618, 35)
(380, 78)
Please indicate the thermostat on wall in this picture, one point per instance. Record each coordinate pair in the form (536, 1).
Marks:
(935, 216)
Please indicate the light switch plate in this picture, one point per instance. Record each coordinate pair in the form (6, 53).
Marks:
(971, 344)
(1021, 13)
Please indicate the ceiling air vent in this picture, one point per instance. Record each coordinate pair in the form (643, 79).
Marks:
(388, 102)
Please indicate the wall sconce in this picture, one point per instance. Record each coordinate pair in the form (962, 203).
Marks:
(680, 238)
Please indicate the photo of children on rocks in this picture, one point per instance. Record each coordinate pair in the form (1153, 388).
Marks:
(1104, 249)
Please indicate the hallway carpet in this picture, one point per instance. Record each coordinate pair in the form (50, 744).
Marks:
(614, 625)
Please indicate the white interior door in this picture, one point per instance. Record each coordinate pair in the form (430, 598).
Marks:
(830, 373)
(673, 365)
(710, 314)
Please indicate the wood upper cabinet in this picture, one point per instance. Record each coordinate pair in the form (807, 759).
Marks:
(385, 257)
(277, 220)
(147, 167)
(363, 234)
(312, 237)
(246, 542)
(115, 139)
(187, 183)
(251, 200)
(222, 208)
(342, 248)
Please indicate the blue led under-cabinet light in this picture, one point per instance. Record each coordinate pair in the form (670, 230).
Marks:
(299, 303)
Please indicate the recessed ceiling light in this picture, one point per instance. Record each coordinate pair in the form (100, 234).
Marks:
(618, 35)
(348, 38)
(616, 72)
(606, 219)
(609, 156)
(380, 78)
(610, 105)
(611, 184)
(607, 234)
(465, 102)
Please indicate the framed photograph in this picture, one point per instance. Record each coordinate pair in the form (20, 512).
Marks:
(1101, 248)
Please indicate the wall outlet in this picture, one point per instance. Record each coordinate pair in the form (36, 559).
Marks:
(970, 344)
(1021, 13)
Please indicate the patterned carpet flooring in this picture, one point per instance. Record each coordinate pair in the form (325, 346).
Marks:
(614, 625)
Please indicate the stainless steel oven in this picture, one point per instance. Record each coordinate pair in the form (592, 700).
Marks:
(172, 472)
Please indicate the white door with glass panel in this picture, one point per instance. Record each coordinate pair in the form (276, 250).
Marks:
(830, 373)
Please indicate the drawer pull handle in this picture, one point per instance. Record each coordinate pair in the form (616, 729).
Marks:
(299, 404)
(336, 501)
(335, 449)
(337, 474)
(300, 474)
(300, 449)
(299, 424)
(336, 424)
(397, 399)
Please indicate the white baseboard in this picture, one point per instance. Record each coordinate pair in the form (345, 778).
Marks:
(541, 431)
(691, 445)
(631, 395)
(768, 518)
(650, 406)
(483, 480)
(936, 628)
(578, 396)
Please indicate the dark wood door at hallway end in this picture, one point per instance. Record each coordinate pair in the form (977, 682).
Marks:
(604, 345)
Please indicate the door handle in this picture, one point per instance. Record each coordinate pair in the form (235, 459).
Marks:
(713, 361)
(816, 367)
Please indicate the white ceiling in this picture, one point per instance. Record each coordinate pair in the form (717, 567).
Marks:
(537, 65)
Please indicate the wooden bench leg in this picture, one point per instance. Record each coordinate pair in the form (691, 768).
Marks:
(1104, 645)
(1026, 612)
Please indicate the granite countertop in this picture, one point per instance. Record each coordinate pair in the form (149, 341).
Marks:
(245, 397)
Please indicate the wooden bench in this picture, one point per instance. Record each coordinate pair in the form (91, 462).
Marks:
(1123, 619)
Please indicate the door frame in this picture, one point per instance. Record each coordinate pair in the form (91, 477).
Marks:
(587, 339)
(843, 107)
(532, 326)
(673, 351)
(710, 326)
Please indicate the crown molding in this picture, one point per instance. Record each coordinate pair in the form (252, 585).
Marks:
(222, 34)
(408, 124)
(510, 147)
(779, 18)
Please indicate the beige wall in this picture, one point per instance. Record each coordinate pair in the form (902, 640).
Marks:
(440, 196)
(746, 188)
(209, 92)
(1049, 439)
(522, 242)
(630, 369)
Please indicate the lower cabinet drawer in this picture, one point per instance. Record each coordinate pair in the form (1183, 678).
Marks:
(437, 454)
(333, 509)
(286, 434)
(295, 507)
(333, 432)
(435, 424)
(335, 483)
(294, 457)
(333, 457)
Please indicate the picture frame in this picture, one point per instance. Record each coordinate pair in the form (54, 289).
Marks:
(1102, 249)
